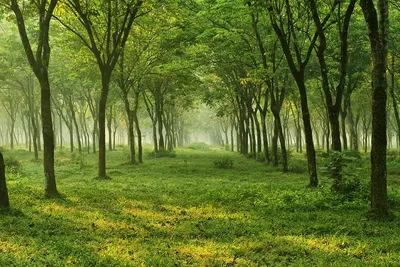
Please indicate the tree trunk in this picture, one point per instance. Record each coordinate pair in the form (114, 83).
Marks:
(344, 135)
(378, 26)
(109, 127)
(71, 136)
(48, 136)
(138, 131)
(78, 136)
(393, 96)
(39, 142)
(279, 133)
(275, 161)
(105, 81)
(159, 112)
(232, 130)
(311, 160)
(4, 201)
(252, 135)
(155, 139)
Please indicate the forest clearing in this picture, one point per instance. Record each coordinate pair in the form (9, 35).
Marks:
(185, 211)
(199, 132)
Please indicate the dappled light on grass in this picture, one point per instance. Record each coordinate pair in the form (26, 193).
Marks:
(206, 252)
(154, 215)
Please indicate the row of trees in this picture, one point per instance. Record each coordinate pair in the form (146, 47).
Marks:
(269, 69)
(261, 50)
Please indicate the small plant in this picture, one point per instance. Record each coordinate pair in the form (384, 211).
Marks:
(223, 163)
(260, 157)
(392, 155)
(227, 147)
(349, 166)
(289, 155)
(12, 165)
(162, 154)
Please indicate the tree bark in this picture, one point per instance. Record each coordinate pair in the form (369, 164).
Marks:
(378, 26)
(138, 131)
(105, 82)
(4, 201)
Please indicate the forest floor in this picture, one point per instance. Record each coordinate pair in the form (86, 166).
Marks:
(183, 211)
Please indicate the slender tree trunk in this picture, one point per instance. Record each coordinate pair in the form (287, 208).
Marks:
(344, 135)
(61, 133)
(71, 136)
(138, 131)
(39, 142)
(155, 139)
(48, 136)
(275, 161)
(159, 112)
(78, 136)
(105, 79)
(311, 160)
(109, 127)
(252, 135)
(393, 96)
(232, 130)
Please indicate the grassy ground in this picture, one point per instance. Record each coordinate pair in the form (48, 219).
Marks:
(183, 211)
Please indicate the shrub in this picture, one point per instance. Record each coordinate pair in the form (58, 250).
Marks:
(223, 163)
(353, 154)
(162, 154)
(227, 147)
(260, 157)
(352, 170)
(322, 154)
(392, 155)
(298, 166)
(289, 155)
(12, 165)
(198, 146)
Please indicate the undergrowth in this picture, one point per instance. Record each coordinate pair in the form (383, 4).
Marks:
(184, 212)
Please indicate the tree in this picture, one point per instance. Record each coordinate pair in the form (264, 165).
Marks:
(283, 19)
(333, 106)
(39, 63)
(378, 24)
(103, 27)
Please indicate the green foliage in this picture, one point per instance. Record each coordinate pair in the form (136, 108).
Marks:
(353, 172)
(260, 157)
(289, 155)
(227, 147)
(392, 155)
(181, 212)
(162, 154)
(297, 166)
(12, 165)
(75, 158)
(223, 163)
(198, 146)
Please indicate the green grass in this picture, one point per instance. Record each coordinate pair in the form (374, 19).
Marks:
(184, 211)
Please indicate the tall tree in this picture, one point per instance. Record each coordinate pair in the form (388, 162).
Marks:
(283, 18)
(333, 96)
(103, 27)
(377, 21)
(39, 63)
